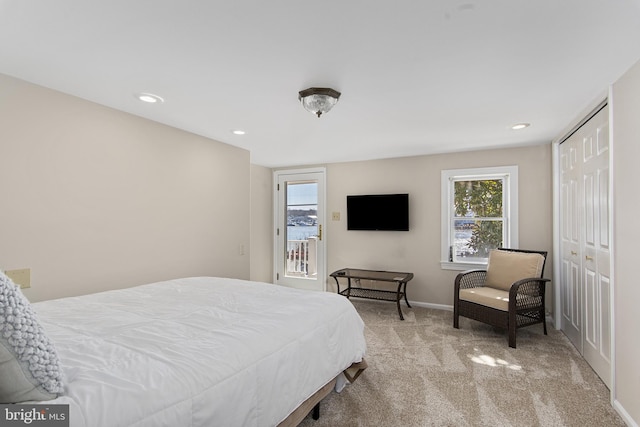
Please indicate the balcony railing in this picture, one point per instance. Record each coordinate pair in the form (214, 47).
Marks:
(302, 257)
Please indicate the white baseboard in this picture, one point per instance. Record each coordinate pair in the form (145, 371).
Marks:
(413, 303)
(445, 307)
(624, 414)
(434, 306)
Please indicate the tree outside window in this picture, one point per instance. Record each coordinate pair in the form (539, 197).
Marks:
(478, 221)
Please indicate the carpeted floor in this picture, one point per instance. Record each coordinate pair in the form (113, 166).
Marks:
(423, 372)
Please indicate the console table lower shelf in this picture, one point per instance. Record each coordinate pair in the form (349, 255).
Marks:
(377, 294)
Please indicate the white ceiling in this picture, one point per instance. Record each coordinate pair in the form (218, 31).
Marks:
(416, 76)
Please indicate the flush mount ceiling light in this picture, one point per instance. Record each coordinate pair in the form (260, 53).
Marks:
(318, 100)
(238, 132)
(149, 98)
(519, 126)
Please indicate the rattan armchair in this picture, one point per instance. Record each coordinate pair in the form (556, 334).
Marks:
(504, 295)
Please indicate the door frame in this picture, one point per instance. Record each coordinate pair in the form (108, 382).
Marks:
(322, 203)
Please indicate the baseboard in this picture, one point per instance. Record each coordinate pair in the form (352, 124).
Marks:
(624, 414)
(445, 307)
(434, 306)
(414, 303)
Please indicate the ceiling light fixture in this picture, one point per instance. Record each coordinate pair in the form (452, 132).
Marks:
(519, 126)
(238, 132)
(318, 100)
(149, 98)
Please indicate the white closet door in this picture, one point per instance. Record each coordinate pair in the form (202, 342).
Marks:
(571, 263)
(596, 255)
(585, 242)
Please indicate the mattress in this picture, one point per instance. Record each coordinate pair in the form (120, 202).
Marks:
(199, 351)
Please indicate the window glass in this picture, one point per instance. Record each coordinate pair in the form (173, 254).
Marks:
(478, 222)
(479, 213)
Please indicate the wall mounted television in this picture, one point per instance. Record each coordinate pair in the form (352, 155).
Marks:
(384, 212)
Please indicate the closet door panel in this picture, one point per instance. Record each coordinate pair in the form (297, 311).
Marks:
(595, 248)
(570, 209)
(585, 242)
(592, 294)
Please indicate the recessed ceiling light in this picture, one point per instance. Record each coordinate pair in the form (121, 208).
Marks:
(238, 132)
(149, 98)
(466, 7)
(519, 126)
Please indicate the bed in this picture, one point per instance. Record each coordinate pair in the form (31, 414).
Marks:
(201, 351)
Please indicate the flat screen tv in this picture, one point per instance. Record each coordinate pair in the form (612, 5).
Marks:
(388, 212)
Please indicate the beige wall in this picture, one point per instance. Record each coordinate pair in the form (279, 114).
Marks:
(261, 224)
(418, 250)
(95, 199)
(625, 106)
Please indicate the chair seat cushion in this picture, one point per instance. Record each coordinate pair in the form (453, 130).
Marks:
(505, 268)
(492, 297)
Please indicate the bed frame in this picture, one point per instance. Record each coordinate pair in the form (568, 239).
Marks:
(313, 403)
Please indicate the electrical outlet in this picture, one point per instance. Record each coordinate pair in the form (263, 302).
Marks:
(20, 277)
(335, 216)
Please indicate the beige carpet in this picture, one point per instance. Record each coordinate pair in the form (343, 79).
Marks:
(423, 372)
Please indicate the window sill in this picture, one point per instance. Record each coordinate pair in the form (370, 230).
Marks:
(462, 266)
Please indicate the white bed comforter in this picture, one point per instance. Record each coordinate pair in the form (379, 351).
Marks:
(199, 352)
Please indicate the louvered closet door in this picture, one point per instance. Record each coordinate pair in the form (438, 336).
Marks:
(585, 242)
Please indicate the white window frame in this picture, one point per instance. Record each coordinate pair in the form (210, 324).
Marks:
(510, 193)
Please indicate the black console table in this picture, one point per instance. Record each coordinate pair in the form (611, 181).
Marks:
(379, 276)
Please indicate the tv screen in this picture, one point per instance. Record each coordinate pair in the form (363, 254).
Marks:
(378, 212)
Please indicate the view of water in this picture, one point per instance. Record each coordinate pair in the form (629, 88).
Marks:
(461, 240)
(301, 232)
(461, 247)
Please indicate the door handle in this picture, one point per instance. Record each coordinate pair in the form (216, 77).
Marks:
(588, 258)
(574, 253)
(319, 231)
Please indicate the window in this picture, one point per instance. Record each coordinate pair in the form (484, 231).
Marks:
(479, 213)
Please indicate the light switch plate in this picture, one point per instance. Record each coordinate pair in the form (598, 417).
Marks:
(21, 277)
(335, 216)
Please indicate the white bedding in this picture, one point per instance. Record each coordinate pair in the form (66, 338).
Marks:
(199, 351)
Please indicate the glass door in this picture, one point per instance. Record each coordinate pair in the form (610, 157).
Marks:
(299, 247)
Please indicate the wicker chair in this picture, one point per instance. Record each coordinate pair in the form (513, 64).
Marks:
(509, 294)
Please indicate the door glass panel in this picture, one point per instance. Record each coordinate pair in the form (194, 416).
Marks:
(302, 229)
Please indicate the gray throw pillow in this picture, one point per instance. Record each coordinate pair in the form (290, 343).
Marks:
(29, 366)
